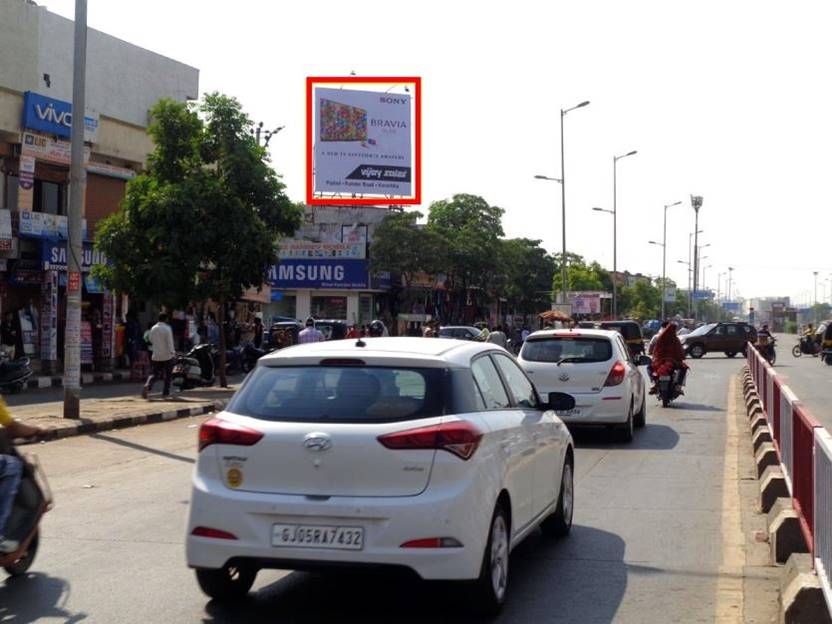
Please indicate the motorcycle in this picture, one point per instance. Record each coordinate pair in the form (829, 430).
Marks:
(668, 381)
(806, 346)
(33, 499)
(767, 350)
(250, 356)
(195, 368)
(13, 373)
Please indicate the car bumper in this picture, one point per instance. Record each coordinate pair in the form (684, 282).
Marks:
(388, 522)
(603, 408)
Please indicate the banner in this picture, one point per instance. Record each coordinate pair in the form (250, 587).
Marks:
(362, 142)
(45, 225)
(290, 248)
(319, 273)
(586, 304)
(46, 148)
(52, 116)
(53, 256)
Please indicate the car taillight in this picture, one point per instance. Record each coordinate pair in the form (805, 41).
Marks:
(218, 431)
(433, 542)
(460, 438)
(616, 376)
(201, 531)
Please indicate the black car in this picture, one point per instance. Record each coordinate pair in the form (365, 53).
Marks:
(332, 329)
(630, 330)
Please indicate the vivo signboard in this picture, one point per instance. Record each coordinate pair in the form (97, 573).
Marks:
(319, 273)
(46, 114)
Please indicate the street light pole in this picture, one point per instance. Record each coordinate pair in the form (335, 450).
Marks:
(563, 276)
(664, 255)
(77, 184)
(615, 160)
(730, 280)
(696, 203)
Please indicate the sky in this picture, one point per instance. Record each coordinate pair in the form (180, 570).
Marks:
(727, 100)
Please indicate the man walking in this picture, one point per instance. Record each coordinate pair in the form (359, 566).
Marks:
(161, 342)
(311, 333)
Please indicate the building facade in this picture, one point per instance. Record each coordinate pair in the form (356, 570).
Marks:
(123, 82)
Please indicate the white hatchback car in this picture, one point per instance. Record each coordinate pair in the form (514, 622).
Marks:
(594, 366)
(432, 455)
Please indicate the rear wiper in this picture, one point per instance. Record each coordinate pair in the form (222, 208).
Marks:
(568, 358)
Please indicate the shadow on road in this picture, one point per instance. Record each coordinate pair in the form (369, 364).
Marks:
(141, 447)
(34, 597)
(652, 437)
(698, 407)
(579, 579)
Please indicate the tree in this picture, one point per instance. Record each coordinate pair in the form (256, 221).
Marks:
(402, 246)
(579, 275)
(641, 301)
(525, 274)
(203, 221)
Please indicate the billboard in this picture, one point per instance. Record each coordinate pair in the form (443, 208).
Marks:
(52, 116)
(363, 143)
(586, 304)
(346, 273)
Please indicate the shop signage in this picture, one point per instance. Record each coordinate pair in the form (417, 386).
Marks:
(53, 116)
(26, 175)
(308, 249)
(46, 148)
(45, 225)
(319, 273)
(5, 230)
(53, 256)
(586, 304)
(111, 171)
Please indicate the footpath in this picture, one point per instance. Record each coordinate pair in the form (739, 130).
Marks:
(119, 412)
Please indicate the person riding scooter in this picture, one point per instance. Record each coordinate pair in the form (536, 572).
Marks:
(668, 353)
(11, 470)
(765, 343)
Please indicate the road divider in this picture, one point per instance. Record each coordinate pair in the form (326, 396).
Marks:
(793, 453)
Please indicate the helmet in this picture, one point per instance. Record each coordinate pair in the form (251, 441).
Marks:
(376, 328)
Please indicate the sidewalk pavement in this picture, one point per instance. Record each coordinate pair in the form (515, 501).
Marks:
(87, 379)
(120, 412)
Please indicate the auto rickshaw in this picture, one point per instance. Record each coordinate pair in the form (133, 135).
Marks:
(825, 330)
(630, 331)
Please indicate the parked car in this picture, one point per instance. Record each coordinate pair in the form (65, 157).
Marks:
(436, 456)
(630, 330)
(728, 338)
(597, 368)
(460, 332)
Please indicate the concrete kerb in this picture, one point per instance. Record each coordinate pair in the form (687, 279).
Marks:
(765, 456)
(84, 427)
(773, 488)
(763, 434)
(801, 596)
(758, 421)
(785, 536)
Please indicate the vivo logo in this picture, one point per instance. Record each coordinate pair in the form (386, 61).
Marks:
(49, 113)
(53, 116)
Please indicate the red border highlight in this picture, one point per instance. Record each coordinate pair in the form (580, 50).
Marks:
(416, 81)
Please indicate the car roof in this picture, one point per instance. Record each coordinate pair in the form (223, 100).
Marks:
(576, 333)
(459, 327)
(400, 351)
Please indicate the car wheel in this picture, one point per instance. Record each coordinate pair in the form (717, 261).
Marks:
(697, 351)
(559, 523)
(641, 415)
(490, 587)
(226, 584)
(731, 354)
(627, 431)
(22, 565)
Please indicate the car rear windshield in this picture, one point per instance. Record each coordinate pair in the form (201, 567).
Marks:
(630, 331)
(567, 349)
(341, 394)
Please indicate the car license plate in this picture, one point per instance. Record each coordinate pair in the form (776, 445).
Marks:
(664, 378)
(575, 411)
(316, 536)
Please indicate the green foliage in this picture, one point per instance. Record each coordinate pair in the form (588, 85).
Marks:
(525, 274)
(580, 275)
(641, 301)
(203, 220)
(401, 246)
(790, 327)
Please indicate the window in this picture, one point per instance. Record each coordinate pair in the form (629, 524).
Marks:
(49, 197)
(733, 330)
(719, 331)
(490, 384)
(10, 191)
(521, 387)
(625, 350)
(348, 394)
(567, 349)
(329, 307)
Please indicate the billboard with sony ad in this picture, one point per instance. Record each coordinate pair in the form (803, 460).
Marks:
(363, 144)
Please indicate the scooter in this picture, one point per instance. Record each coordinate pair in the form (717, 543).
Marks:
(13, 373)
(195, 368)
(806, 346)
(33, 499)
(768, 352)
(250, 356)
(668, 379)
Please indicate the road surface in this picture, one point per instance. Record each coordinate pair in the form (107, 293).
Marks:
(808, 378)
(660, 535)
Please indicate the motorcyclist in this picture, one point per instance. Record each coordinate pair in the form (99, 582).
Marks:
(11, 469)
(807, 340)
(668, 350)
(377, 329)
(765, 340)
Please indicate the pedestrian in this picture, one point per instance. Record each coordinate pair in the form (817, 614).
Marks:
(353, 332)
(497, 337)
(9, 334)
(310, 334)
(161, 342)
(258, 332)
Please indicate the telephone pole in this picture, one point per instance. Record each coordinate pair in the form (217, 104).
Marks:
(77, 183)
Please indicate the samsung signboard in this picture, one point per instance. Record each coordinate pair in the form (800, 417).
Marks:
(51, 116)
(314, 273)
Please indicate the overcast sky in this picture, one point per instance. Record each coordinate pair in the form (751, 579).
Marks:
(728, 100)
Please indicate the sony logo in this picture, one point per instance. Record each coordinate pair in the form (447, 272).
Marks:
(386, 99)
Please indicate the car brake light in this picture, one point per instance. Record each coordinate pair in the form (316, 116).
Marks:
(433, 542)
(201, 531)
(218, 431)
(460, 438)
(616, 376)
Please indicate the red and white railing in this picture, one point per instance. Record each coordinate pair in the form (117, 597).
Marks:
(805, 451)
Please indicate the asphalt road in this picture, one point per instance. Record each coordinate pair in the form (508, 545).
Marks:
(808, 378)
(655, 537)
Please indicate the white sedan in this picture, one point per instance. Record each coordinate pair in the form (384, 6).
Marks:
(596, 368)
(432, 455)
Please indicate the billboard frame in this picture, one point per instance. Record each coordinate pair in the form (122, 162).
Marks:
(380, 200)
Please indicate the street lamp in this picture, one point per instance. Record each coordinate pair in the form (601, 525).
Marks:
(268, 134)
(664, 253)
(615, 160)
(564, 284)
(730, 279)
(689, 279)
(696, 204)
(690, 267)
